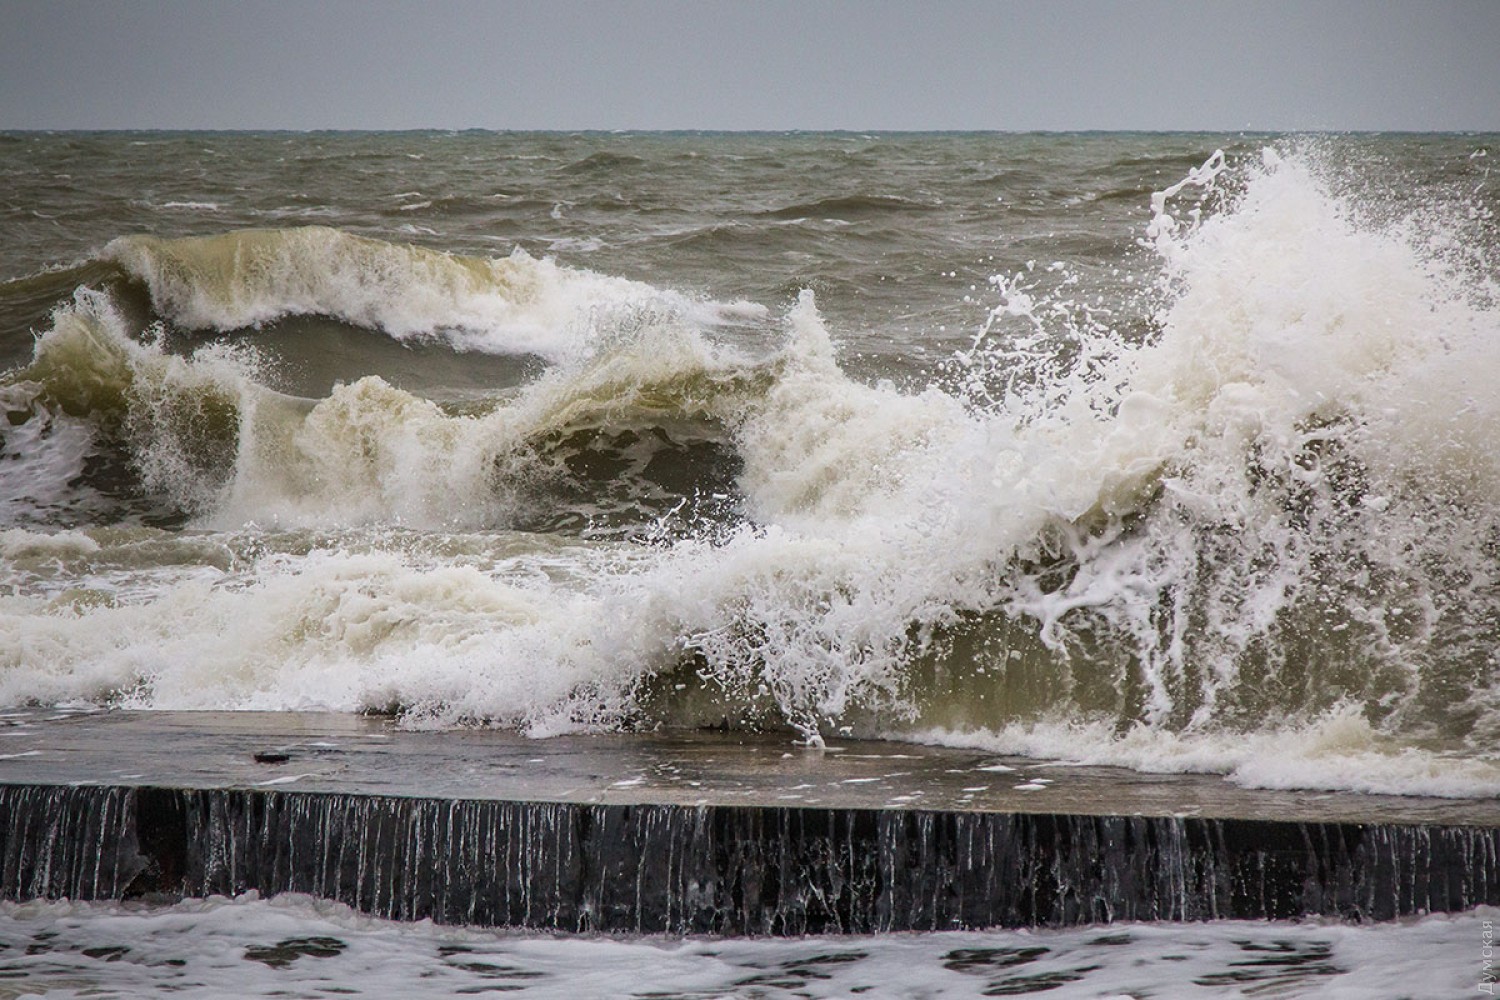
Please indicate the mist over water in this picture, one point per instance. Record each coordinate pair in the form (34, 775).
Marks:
(1176, 452)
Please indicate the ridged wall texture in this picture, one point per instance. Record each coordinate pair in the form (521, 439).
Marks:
(725, 869)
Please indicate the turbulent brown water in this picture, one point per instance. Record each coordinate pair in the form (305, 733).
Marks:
(1173, 451)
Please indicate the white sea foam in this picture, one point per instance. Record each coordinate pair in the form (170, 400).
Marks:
(508, 305)
(19, 544)
(1338, 751)
(1258, 540)
(44, 453)
(292, 944)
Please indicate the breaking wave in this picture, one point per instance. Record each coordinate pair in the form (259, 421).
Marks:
(1255, 530)
(508, 305)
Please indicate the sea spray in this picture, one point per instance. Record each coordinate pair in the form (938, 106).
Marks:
(1301, 452)
(1247, 508)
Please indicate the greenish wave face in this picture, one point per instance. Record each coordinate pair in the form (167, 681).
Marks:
(1107, 448)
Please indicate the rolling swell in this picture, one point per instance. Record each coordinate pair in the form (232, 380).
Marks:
(494, 305)
(251, 277)
(849, 207)
(603, 162)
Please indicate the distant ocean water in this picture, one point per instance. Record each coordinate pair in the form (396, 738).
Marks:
(1176, 451)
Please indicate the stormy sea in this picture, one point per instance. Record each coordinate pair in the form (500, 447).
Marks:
(1174, 452)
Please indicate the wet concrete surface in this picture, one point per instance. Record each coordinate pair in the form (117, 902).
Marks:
(369, 755)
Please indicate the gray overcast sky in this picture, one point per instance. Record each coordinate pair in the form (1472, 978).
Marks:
(658, 64)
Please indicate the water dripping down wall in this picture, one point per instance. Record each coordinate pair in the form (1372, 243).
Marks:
(725, 869)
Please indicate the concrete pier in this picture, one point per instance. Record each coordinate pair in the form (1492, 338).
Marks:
(693, 832)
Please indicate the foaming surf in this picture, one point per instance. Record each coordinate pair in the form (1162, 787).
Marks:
(1246, 520)
(249, 946)
(503, 305)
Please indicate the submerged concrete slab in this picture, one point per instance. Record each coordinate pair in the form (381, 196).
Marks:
(693, 832)
(369, 755)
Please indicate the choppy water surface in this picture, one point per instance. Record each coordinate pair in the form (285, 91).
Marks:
(1176, 452)
(293, 946)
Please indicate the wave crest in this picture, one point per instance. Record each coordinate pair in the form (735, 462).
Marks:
(508, 305)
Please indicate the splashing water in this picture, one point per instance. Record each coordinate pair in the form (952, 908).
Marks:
(1240, 517)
